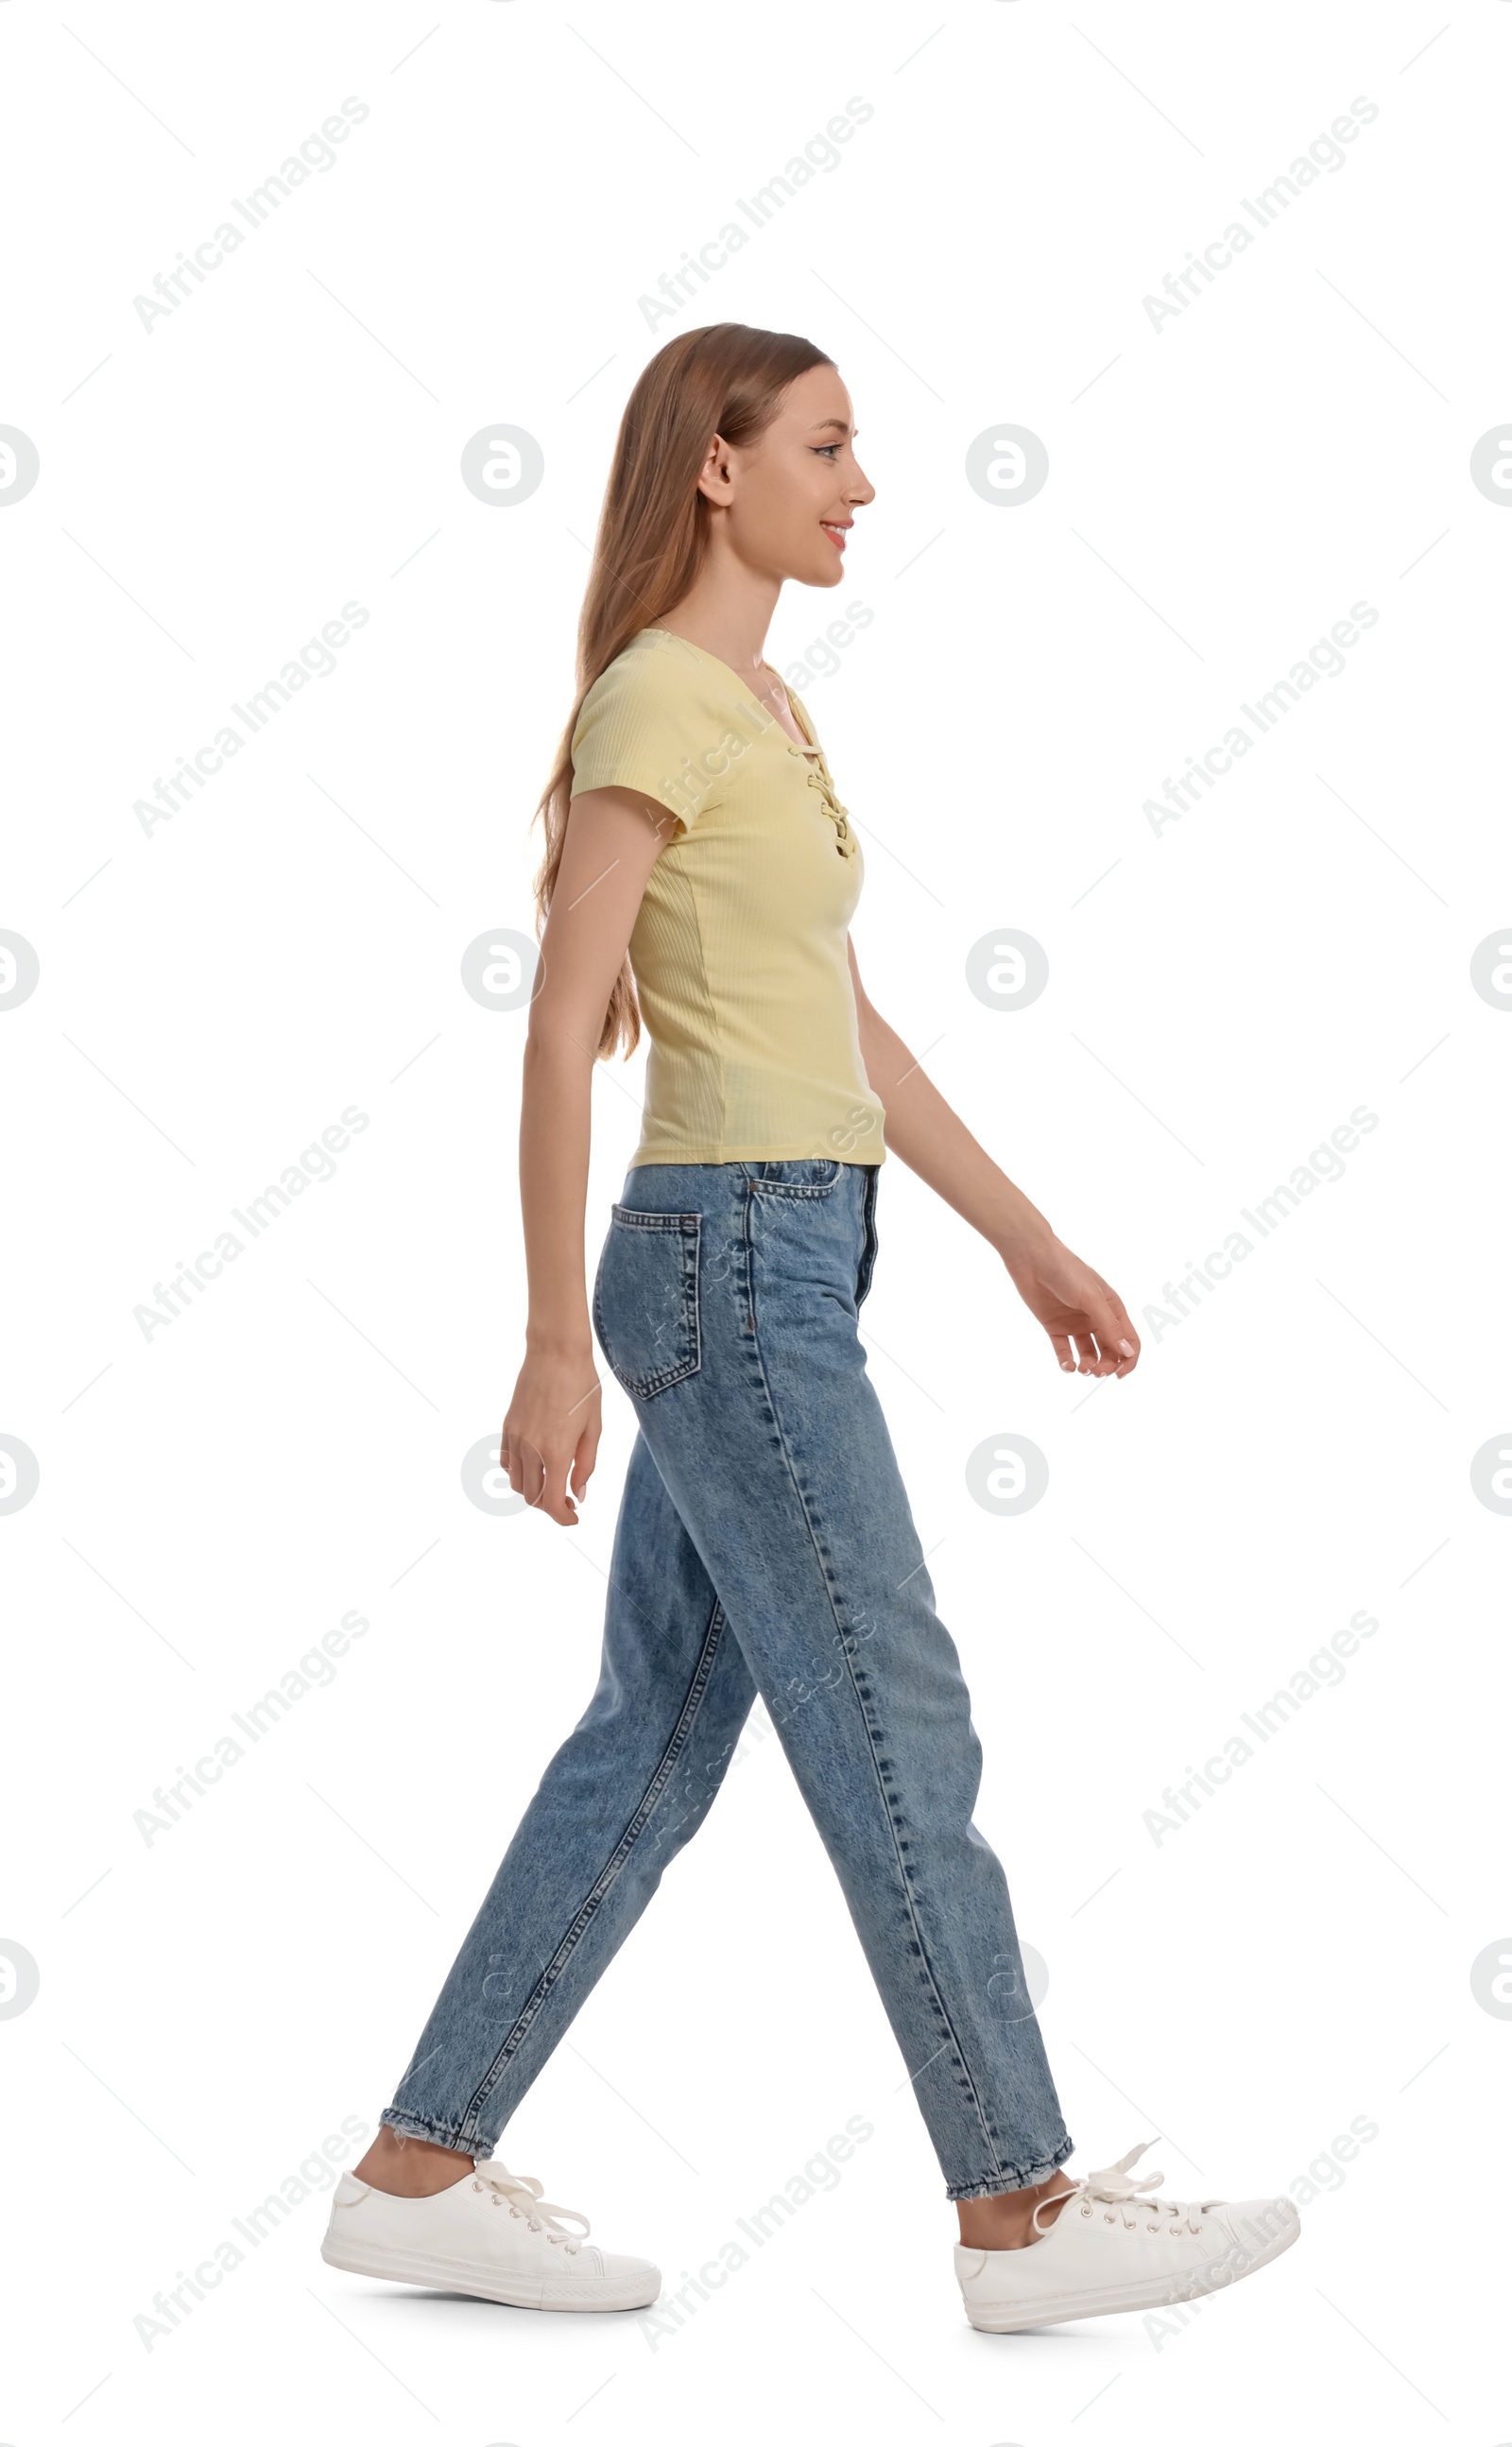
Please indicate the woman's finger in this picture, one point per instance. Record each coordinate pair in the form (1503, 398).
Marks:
(1126, 1341)
(532, 1470)
(1115, 1335)
(584, 1461)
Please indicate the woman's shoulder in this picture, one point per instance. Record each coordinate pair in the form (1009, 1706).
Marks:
(656, 680)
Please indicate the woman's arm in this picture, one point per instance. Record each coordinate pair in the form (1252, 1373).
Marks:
(552, 1428)
(1072, 1302)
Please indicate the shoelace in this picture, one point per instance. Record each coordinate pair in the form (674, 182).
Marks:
(521, 2195)
(1114, 2185)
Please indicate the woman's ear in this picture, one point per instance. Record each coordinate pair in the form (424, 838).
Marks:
(716, 479)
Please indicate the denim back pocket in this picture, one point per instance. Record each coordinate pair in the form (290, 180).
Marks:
(646, 1299)
(798, 1176)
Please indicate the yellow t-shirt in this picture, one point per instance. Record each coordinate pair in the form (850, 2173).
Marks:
(739, 947)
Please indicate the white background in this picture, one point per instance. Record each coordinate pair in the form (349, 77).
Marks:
(1222, 994)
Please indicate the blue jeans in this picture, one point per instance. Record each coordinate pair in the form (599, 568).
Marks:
(764, 1543)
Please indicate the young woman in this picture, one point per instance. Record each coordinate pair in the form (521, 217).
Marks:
(701, 870)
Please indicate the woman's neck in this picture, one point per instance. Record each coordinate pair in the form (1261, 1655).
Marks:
(727, 611)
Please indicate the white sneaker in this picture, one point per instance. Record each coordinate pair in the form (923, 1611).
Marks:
(490, 2234)
(1113, 2247)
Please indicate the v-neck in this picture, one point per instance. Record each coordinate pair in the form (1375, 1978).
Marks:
(811, 746)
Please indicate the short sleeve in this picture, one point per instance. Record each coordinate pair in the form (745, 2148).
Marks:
(651, 723)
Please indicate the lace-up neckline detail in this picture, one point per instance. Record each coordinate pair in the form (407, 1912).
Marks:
(839, 816)
(520, 2196)
(820, 776)
(821, 779)
(1112, 2194)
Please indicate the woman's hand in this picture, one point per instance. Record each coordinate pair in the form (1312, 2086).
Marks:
(1084, 1316)
(552, 1430)
(1087, 1323)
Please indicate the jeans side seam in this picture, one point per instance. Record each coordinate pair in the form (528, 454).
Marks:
(871, 1747)
(582, 1918)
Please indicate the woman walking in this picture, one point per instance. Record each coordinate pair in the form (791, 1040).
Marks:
(701, 872)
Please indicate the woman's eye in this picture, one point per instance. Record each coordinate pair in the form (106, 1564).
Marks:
(827, 450)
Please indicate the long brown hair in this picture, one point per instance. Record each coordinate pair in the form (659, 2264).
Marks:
(652, 535)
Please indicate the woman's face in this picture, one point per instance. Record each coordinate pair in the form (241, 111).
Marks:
(787, 500)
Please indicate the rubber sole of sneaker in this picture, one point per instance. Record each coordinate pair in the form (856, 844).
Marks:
(1156, 2295)
(465, 2277)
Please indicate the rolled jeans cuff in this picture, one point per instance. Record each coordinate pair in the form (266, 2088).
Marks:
(1018, 2180)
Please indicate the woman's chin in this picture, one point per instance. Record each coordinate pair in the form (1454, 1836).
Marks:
(828, 568)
